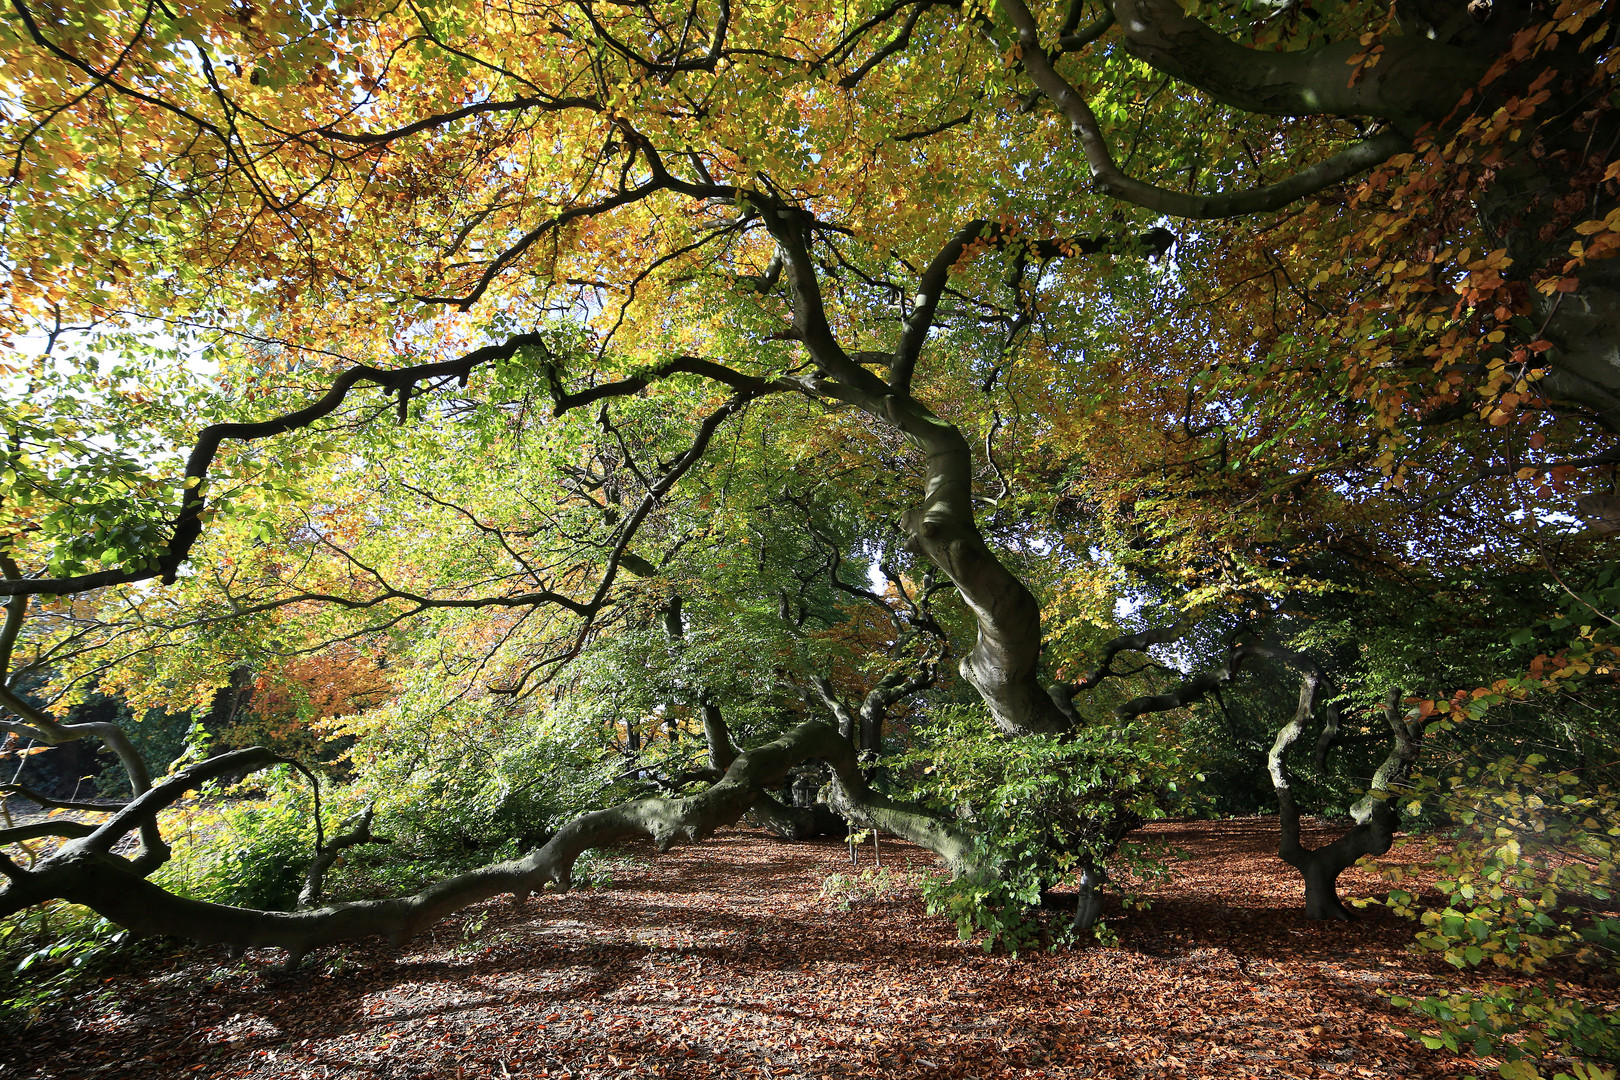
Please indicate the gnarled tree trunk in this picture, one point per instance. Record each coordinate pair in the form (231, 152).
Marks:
(1376, 816)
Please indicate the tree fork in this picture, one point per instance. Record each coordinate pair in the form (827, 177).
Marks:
(1375, 814)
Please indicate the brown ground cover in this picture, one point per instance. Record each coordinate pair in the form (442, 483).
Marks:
(723, 960)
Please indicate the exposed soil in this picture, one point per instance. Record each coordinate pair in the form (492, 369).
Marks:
(723, 960)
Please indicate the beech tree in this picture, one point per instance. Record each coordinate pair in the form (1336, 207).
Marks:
(494, 316)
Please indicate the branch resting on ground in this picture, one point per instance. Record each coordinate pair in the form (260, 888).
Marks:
(83, 871)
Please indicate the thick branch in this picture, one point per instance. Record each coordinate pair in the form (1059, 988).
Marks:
(80, 874)
(895, 44)
(1414, 78)
(16, 615)
(1110, 179)
(1005, 658)
(327, 857)
(57, 804)
(146, 805)
(896, 686)
(848, 725)
(1193, 689)
(437, 120)
(717, 734)
(534, 235)
(1155, 242)
(1141, 642)
(187, 524)
(37, 829)
(689, 365)
(39, 725)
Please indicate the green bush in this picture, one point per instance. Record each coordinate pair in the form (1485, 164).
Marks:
(250, 848)
(1043, 809)
(452, 783)
(52, 951)
(1527, 886)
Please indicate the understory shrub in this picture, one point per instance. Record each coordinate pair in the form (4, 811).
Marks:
(53, 951)
(847, 890)
(249, 846)
(452, 782)
(1528, 882)
(1042, 810)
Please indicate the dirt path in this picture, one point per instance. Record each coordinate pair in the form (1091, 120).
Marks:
(723, 961)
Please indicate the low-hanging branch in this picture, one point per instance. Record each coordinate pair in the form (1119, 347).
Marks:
(40, 726)
(58, 804)
(83, 871)
(36, 830)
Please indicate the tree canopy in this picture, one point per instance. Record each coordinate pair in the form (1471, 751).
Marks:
(1078, 404)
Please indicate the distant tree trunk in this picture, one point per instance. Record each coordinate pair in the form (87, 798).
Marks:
(796, 822)
(1376, 816)
(1088, 905)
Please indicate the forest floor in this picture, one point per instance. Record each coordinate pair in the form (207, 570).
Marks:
(725, 960)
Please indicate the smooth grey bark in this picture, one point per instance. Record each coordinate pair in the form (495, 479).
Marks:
(1109, 178)
(716, 734)
(1417, 77)
(1004, 661)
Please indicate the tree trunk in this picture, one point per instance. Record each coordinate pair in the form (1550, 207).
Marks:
(1088, 905)
(1004, 661)
(1322, 889)
(1375, 815)
(1524, 211)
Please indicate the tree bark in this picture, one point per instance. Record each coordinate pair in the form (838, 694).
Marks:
(1003, 664)
(1088, 905)
(716, 733)
(1522, 212)
(1417, 78)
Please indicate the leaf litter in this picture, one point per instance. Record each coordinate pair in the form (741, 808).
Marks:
(724, 960)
